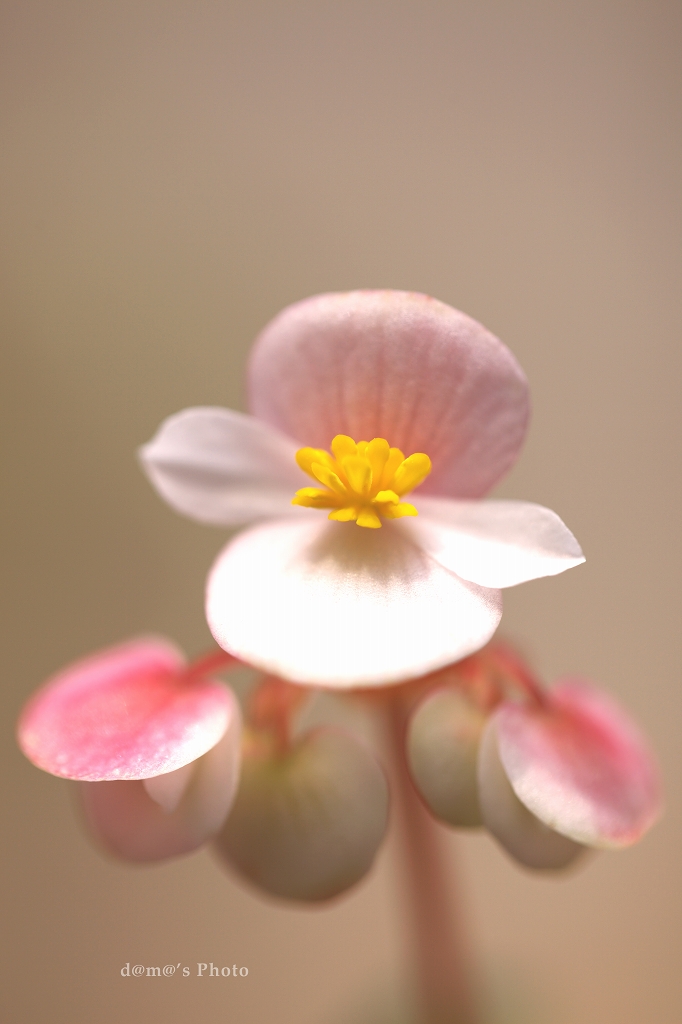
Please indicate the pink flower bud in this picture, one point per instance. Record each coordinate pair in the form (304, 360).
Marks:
(153, 819)
(527, 839)
(580, 765)
(154, 744)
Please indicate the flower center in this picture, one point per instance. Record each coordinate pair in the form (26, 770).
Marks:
(361, 482)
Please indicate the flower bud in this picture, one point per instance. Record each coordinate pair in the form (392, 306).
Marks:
(154, 744)
(167, 815)
(442, 750)
(524, 836)
(307, 821)
(580, 764)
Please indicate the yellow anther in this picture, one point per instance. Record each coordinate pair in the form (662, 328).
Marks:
(361, 481)
(358, 473)
(343, 445)
(411, 472)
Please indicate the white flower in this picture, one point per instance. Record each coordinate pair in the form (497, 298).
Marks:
(326, 603)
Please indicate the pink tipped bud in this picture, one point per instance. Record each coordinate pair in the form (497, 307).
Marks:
(521, 834)
(128, 712)
(154, 745)
(168, 815)
(307, 822)
(580, 765)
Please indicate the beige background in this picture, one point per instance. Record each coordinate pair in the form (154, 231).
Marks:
(173, 174)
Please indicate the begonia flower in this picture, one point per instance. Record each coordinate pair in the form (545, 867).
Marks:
(548, 772)
(401, 412)
(153, 742)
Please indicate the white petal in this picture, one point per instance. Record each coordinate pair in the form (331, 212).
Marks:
(338, 605)
(494, 543)
(224, 468)
(522, 835)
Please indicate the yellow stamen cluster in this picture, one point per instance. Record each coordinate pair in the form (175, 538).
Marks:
(361, 482)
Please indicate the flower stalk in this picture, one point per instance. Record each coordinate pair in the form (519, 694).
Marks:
(438, 947)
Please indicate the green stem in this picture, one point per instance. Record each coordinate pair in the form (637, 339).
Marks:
(441, 959)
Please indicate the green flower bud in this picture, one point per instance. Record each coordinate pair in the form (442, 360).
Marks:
(526, 838)
(308, 821)
(442, 749)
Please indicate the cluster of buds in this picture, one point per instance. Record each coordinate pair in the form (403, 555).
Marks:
(410, 600)
(549, 772)
(164, 765)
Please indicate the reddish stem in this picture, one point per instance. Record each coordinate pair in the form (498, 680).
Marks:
(272, 708)
(214, 661)
(441, 959)
(510, 663)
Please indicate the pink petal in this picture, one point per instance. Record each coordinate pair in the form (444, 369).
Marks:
(123, 713)
(581, 766)
(495, 543)
(224, 468)
(130, 824)
(335, 605)
(396, 365)
(527, 839)
(168, 790)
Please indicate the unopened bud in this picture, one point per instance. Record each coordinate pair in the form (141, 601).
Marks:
(524, 836)
(442, 749)
(306, 823)
(167, 815)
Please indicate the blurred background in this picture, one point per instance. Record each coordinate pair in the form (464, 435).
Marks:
(175, 172)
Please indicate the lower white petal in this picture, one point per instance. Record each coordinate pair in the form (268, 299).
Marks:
(337, 605)
(222, 467)
(495, 543)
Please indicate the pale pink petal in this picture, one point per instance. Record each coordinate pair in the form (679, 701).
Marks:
(123, 713)
(396, 365)
(494, 543)
(306, 825)
(522, 835)
(581, 766)
(167, 790)
(132, 825)
(224, 468)
(335, 605)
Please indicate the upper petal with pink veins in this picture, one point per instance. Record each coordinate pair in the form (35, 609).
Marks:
(580, 765)
(396, 365)
(124, 713)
